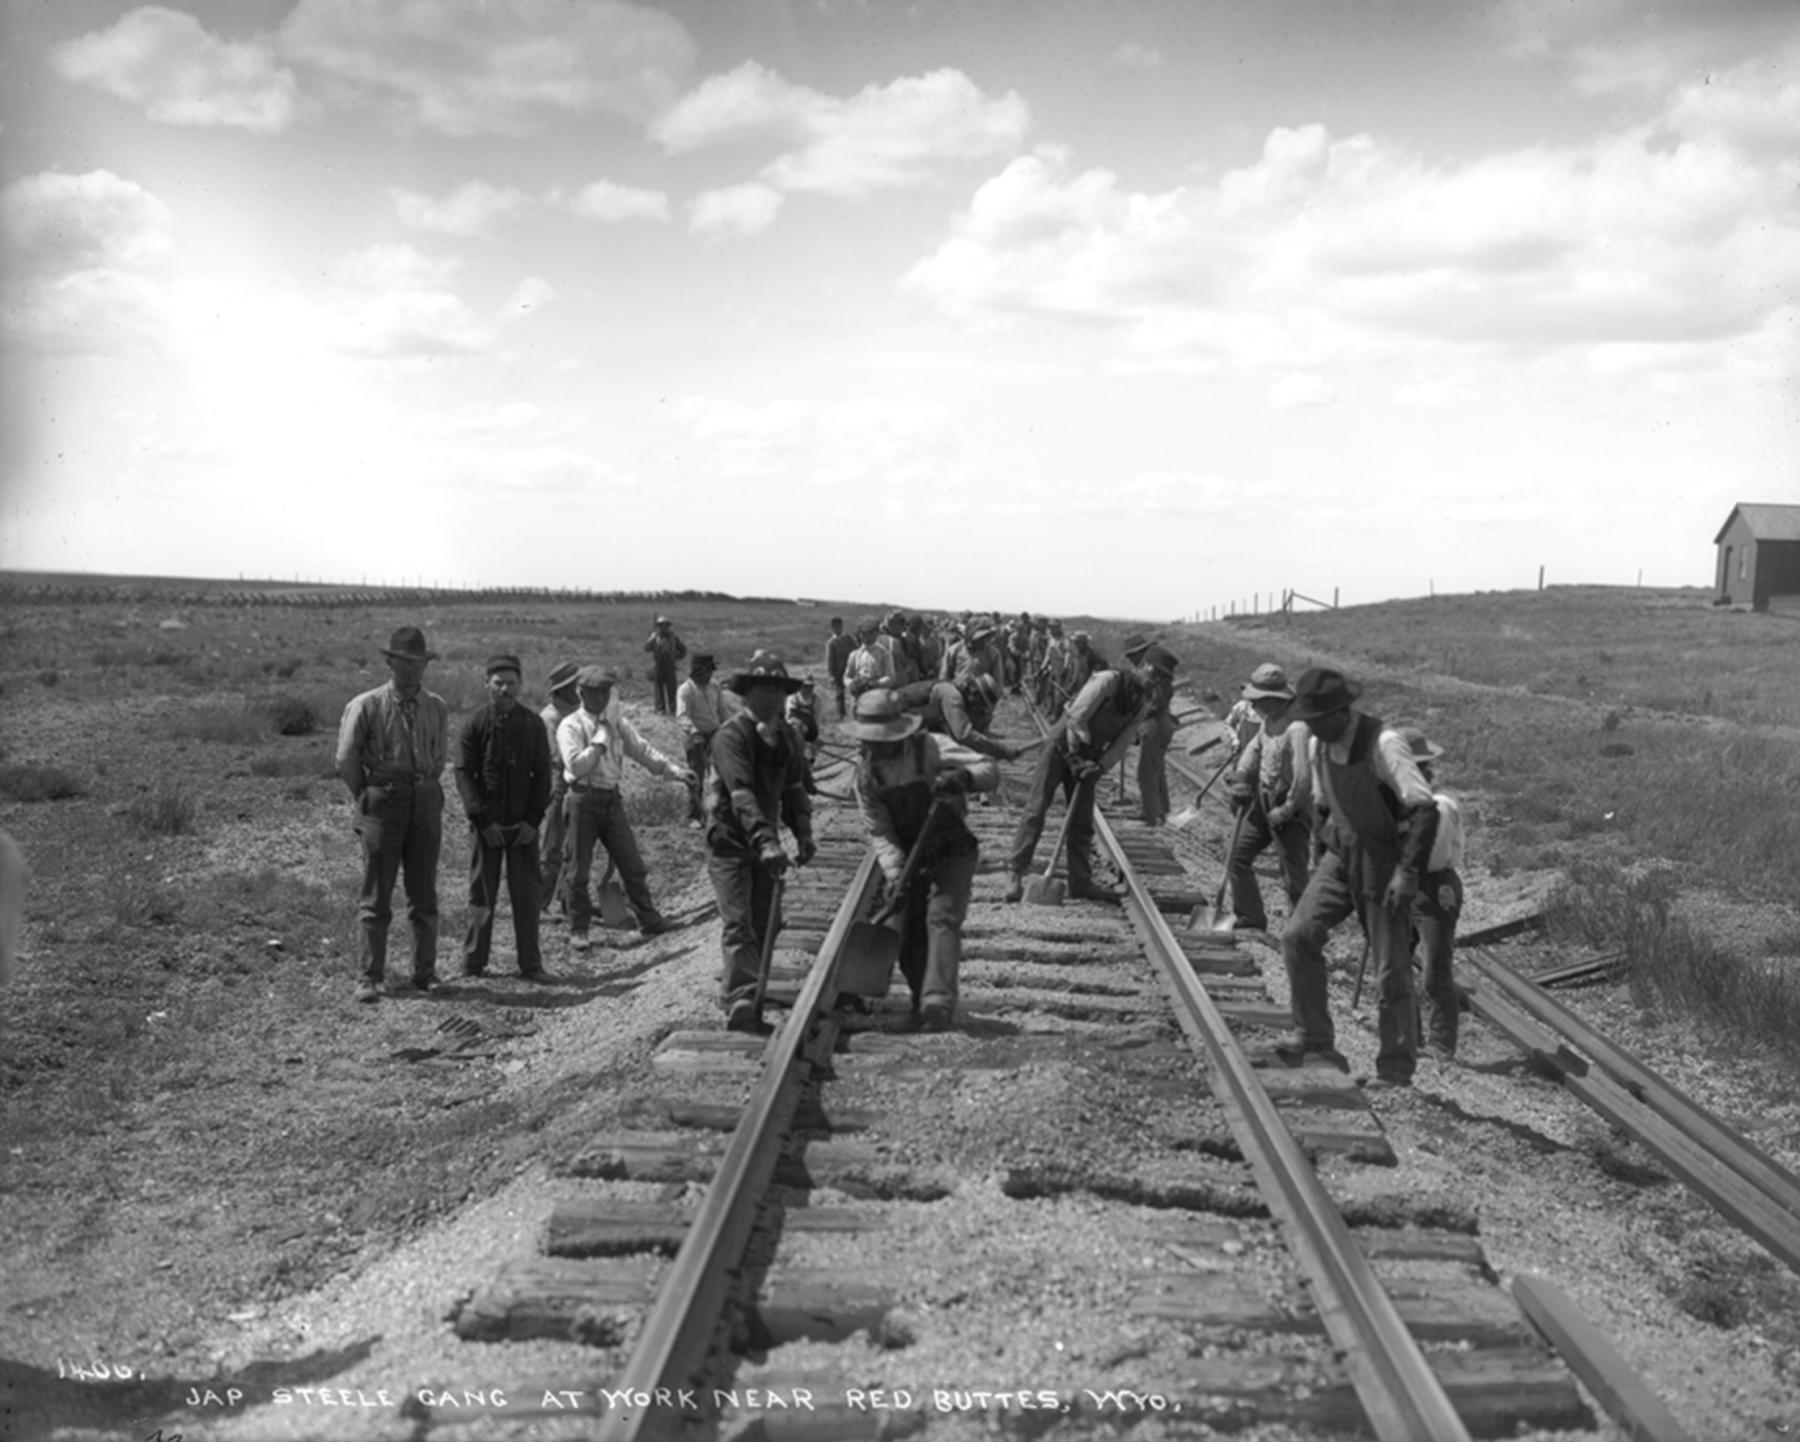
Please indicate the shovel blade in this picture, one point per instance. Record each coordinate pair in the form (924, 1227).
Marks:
(1044, 891)
(614, 909)
(867, 965)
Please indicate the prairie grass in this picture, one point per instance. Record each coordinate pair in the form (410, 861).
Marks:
(1605, 907)
(164, 811)
(38, 783)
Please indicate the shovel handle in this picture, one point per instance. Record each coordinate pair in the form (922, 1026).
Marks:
(911, 868)
(1062, 835)
(770, 927)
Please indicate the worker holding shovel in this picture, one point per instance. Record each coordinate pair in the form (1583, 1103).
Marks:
(1099, 726)
(758, 781)
(1272, 797)
(912, 789)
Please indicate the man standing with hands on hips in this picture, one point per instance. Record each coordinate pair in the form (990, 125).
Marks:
(391, 747)
(503, 775)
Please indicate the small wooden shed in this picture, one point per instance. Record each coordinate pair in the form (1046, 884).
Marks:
(1759, 555)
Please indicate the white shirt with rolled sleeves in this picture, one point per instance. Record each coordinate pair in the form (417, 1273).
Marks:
(1447, 846)
(594, 749)
(1100, 688)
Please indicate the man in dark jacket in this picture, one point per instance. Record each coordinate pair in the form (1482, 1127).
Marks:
(837, 656)
(1091, 736)
(758, 780)
(503, 776)
(1376, 822)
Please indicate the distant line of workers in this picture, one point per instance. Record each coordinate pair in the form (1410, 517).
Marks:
(1345, 799)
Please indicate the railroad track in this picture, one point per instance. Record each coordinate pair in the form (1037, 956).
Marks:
(841, 1218)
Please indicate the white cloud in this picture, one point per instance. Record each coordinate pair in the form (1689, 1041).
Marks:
(83, 262)
(747, 209)
(605, 200)
(904, 133)
(1755, 106)
(1301, 392)
(472, 209)
(167, 62)
(494, 67)
(1329, 249)
(390, 302)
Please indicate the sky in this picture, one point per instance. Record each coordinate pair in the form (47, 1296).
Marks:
(1130, 308)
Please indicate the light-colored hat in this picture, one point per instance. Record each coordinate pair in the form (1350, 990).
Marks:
(880, 717)
(1268, 679)
(561, 675)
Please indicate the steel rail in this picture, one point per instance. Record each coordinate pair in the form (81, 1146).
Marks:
(1402, 1397)
(679, 1330)
(1737, 1196)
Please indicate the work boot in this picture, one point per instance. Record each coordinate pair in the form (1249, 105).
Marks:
(367, 991)
(1092, 891)
(655, 925)
(1015, 887)
(1295, 1053)
(936, 1016)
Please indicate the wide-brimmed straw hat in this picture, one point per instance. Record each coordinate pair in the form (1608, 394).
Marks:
(1268, 679)
(408, 643)
(1422, 748)
(764, 668)
(880, 717)
(1320, 691)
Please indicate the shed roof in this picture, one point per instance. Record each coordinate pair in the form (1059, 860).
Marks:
(1766, 522)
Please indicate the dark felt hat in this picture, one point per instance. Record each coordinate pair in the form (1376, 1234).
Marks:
(503, 662)
(1160, 658)
(762, 668)
(1319, 692)
(704, 661)
(594, 678)
(1422, 748)
(880, 717)
(408, 643)
(1133, 647)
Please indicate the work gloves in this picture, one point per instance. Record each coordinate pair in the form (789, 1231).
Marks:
(808, 848)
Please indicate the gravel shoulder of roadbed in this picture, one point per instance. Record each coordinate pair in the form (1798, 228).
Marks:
(1554, 1191)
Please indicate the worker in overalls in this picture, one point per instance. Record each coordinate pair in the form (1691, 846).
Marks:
(902, 774)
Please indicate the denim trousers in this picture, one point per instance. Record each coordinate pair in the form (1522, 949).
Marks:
(599, 817)
(522, 880)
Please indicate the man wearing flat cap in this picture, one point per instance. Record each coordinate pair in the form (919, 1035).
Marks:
(594, 743)
(1091, 736)
(1271, 790)
(871, 664)
(700, 709)
(758, 783)
(1377, 821)
(551, 852)
(391, 747)
(912, 790)
(667, 650)
(503, 775)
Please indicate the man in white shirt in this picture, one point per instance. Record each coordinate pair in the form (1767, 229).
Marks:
(1438, 905)
(594, 743)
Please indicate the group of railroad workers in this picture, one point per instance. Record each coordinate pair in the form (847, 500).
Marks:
(1345, 799)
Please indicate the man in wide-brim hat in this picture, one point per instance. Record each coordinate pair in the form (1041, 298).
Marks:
(391, 748)
(1271, 791)
(666, 650)
(758, 783)
(1438, 906)
(562, 700)
(1153, 738)
(901, 773)
(1376, 822)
